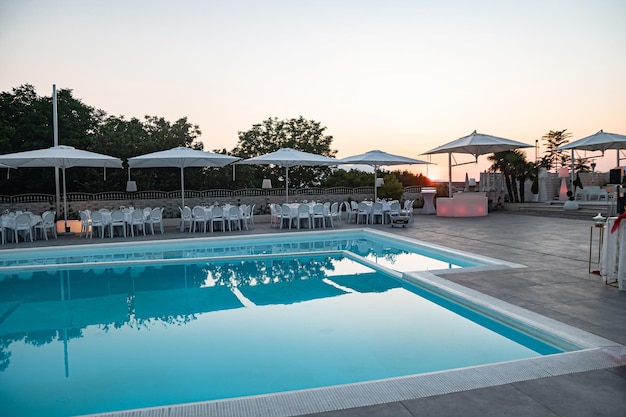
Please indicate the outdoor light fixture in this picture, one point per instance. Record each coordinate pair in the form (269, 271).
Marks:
(267, 183)
(593, 172)
(380, 182)
(563, 174)
(131, 186)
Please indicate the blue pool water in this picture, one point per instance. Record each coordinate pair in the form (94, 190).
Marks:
(90, 337)
(385, 249)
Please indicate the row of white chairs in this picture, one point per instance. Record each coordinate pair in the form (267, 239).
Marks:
(126, 220)
(313, 214)
(373, 212)
(229, 217)
(28, 225)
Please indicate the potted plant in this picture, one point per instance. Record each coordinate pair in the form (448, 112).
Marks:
(534, 187)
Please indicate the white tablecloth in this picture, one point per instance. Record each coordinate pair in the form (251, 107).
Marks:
(613, 254)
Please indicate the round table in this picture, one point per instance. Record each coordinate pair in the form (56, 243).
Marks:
(429, 200)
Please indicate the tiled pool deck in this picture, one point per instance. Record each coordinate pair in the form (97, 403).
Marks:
(556, 284)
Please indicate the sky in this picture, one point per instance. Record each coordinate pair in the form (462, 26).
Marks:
(400, 76)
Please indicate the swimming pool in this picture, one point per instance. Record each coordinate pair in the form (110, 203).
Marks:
(385, 249)
(104, 328)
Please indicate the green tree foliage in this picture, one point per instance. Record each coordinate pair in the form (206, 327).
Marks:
(409, 179)
(392, 188)
(353, 178)
(516, 169)
(26, 124)
(556, 159)
(273, 134)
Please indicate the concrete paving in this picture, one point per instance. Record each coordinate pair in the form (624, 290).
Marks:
(556, 284)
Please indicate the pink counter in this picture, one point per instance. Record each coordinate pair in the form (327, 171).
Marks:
(467, 204)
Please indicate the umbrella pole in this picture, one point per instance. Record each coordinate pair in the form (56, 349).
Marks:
(287, 185)
(64, 198)
(375, 187)
(55, 132)
(571, 182)
(450, 174)
(182, 184)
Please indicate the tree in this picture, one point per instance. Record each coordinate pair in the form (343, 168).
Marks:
(556, 159)
(352, 178)
(273, 134)
(26, 124)
(516, 169)
(408, 178)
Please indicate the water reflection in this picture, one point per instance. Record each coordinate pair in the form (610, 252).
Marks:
(361, 246)
(42, 307)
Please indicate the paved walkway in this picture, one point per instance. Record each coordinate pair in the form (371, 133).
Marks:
(556, 284)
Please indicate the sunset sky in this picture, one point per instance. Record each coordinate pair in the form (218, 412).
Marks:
(400, 76)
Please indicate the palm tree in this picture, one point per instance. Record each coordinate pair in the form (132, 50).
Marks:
(516, 169)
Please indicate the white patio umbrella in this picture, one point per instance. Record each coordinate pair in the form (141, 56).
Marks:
(600, 141)
(62, 157)
(181, 157)
(475, 144)
(287, 157)
(377, 159)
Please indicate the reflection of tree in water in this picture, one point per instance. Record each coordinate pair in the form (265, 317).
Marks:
(148, 281)
(266, 271)
(5, 354)
(364, 247)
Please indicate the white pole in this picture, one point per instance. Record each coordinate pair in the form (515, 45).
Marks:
(571, 183)
(64, 198)
(182, 184)
(55, 130)
(287, 184)
(375, 187)
(450, 174)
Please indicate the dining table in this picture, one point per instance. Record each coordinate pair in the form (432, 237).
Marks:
(7, 221)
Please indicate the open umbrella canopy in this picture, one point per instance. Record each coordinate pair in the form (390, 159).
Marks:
(60, 157)
(475, 144)
(181, 157)
(377, 159)
(63, 157)
(287, 157)
(600, 141)
(478, 144)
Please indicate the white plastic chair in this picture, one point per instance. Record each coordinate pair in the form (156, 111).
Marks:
(364, 212)
(199, 218)
(335, 214)
(22, 224)
(48, 221)
(248, 216)
(117, 220)
(377, 211)
(285, 215)
(156, 217)
(186, 218)
(275, 215)
(407, 210)
(234, 218)
(304, 213)
(137, 220)
(318, 214)
(97, 222)
(85, 223)
(350, 213)
(217, 217)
